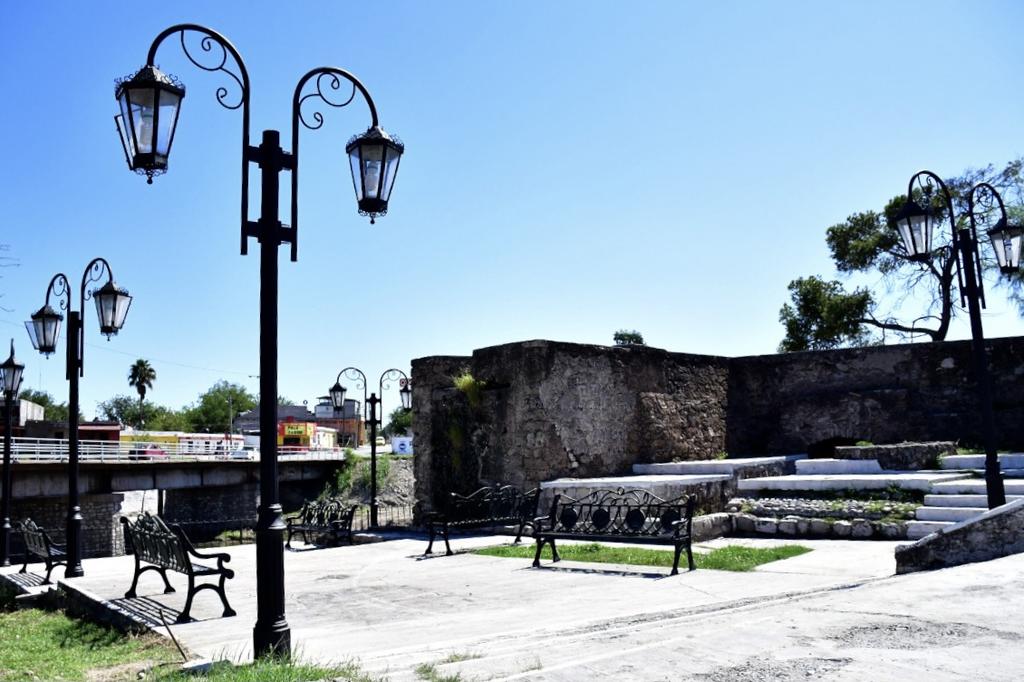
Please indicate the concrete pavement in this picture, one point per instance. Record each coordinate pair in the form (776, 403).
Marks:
(834, 613)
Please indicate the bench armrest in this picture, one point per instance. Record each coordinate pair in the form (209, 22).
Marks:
(539, 521)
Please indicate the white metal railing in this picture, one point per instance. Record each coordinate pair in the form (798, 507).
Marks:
(56, 450)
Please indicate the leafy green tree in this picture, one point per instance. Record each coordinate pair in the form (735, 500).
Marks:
(123, 409)
(823, 314)
(141, 377)
(214, 408)
(399, 422)
(52, 410)
(628, 337)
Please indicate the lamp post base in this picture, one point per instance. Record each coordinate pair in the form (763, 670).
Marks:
(272, 640)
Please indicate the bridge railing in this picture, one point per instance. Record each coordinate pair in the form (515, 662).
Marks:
(57, 450)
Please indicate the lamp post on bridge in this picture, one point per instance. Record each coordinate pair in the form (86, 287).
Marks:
(149, 104)
(112, 303)
(915, 223)
(373, 418)
(11, 372)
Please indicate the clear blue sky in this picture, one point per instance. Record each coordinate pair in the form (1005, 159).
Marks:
(572, 168)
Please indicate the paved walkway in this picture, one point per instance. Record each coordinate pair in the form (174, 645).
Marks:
(834, 613)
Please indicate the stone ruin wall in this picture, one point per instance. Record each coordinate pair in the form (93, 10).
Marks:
(549, 409)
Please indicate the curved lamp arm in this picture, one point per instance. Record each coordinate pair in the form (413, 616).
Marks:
(930, 179)
(211, 38)
(356, 375)
(61, 288)
(331, 76)
(971, 202)
(93, 273)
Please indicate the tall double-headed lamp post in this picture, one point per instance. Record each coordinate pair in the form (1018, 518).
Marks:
(11, 372)
(373, 416)
(149, 103)
(112, 303)
(915, 223)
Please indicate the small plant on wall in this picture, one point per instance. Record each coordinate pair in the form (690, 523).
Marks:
(470, 387)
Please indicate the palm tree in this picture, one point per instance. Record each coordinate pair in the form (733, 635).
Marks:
(141, 376)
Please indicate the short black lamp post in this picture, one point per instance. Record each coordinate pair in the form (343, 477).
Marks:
(149, 103)
(112, 303)
(373, 417)
(11, 372)
(915, 223)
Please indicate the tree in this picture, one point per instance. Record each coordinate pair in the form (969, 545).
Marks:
(52, 410)
(626, 337)
(127, 410)
(141, 376)
(823, 314)
(214, 409)
(399, 423)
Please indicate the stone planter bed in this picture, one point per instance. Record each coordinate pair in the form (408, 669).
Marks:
(835, 509)
(802, 526)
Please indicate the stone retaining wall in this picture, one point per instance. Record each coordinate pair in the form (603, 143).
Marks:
(997, 533)
(900, 456)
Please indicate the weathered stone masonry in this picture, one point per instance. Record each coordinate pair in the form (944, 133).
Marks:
(548, 409)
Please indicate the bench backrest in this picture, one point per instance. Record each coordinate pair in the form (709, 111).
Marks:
(494, 502)
(620, 512)
(322, 512)
(36, 540)
(154, 542)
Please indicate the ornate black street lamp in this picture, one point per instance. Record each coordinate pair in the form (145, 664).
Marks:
(149, 105)
(11, 372)
(915, 224)
(112, 303)
(373, 417)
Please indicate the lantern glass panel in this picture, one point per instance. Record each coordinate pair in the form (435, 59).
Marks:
(169, 105)
(112, 306)
(357, 177)
(44, 330)
(372, 157)
(406, 394)
(126, 140)
(142, 106)
(12, 373)
(390, 171)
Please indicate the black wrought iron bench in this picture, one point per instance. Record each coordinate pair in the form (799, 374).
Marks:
(322, 517)
(153, 542)
(38, 543)
(497, 505)
(618, 516)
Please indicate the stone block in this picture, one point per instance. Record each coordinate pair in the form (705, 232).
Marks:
(820, 527)
(862, 529)
(766, 526)
(803, 526)
(892, 531)
(744, 523)
(842, 529)
(787, 527)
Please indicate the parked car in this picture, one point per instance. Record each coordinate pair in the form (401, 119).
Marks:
(380, 441)
(147, 452)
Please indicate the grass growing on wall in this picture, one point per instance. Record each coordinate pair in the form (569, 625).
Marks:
(470, 387)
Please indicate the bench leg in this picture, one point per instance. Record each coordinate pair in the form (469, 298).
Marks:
(288, 544)
(130, 594)
(432, 531)
(167, 583)
(554, 552)
(447, 547)
(519, 535)
(24, 569)
(536, 557)
(49, 569)
(228, 611)
(185, 615)
(675, 559)
(689, 555)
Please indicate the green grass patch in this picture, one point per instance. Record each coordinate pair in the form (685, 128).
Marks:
(731, 558)
(272, 670)
(40, 645)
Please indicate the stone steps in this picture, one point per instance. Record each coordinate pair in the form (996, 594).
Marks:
(951, 500)
(954, 514)
(818, 482)
(918, 529)
(730, 466)
(975, 486)
(838, 466)
(1007, 460)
